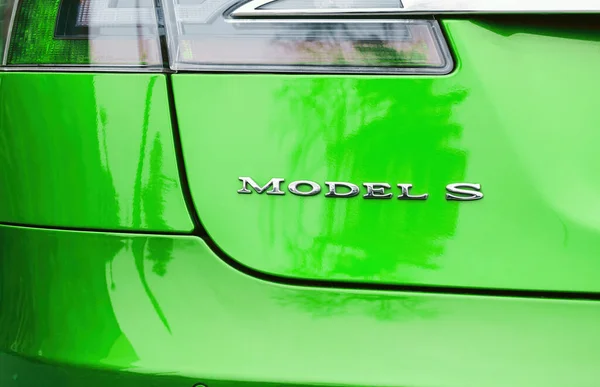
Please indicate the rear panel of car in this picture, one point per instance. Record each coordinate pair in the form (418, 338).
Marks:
(518, 116)
(166, 202)
(89, 150)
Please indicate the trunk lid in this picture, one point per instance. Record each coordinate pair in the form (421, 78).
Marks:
(519, 116)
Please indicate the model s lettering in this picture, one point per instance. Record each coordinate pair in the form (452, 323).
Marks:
(273, 187)
(295, 193)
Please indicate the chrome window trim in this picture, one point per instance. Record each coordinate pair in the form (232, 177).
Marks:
(252, 8)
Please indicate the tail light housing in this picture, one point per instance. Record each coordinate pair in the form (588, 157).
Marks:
(322, 36)
(216, 36)
(85, 33)
(319, 36)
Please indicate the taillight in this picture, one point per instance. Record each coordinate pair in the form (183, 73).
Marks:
(328, 36)
(301, 36)
(223, 35)
(121, 33)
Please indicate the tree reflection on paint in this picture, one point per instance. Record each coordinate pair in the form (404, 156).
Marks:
(362, 129)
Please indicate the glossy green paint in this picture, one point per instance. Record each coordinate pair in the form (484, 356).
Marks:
(168, 305)
(89, 150)
(519, 116)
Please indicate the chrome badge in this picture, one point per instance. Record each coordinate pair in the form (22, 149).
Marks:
(340, 189)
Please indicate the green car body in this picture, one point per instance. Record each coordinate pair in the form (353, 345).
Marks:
(128, 257)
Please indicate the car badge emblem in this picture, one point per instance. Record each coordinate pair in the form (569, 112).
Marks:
(341, 189)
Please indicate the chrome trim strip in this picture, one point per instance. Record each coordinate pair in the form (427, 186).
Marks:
(322, 20)
(253, 9)
(315, 70)
(82, 69)
(501, 6)
(13, 16)
(429, 7)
